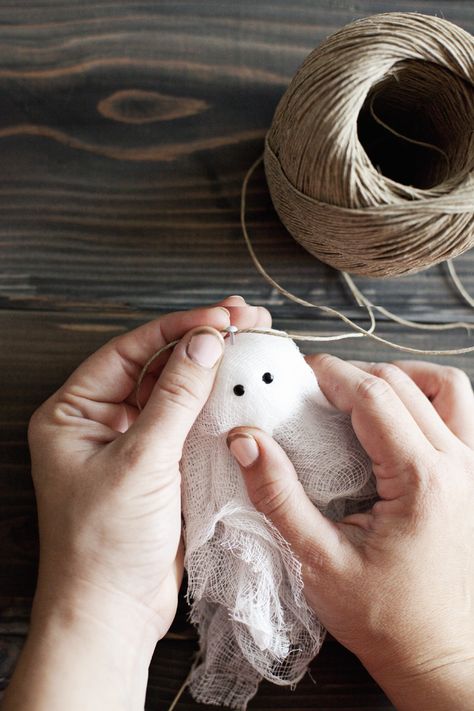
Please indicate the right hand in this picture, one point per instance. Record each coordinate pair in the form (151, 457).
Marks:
(396, 584)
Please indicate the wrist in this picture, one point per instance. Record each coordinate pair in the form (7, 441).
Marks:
(77, 608)
(440, 682)
(129, 612)
(71, 654)
(90, 648)
(80, 632)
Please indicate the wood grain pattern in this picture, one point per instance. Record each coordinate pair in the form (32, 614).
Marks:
(125, 131)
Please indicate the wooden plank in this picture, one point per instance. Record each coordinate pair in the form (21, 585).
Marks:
(125, 133)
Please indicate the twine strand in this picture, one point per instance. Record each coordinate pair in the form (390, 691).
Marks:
(361, 298)
(292, 297)
(458, 283)
(184, 685)
(413, 141)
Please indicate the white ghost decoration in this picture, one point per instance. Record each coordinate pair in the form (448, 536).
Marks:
(244, 583)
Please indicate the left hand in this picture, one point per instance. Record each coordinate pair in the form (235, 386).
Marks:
(107, 478)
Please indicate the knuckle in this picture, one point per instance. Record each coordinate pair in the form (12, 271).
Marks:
(417, 473)
(273, 497)
(313, 565)
(316, 560)
(388, 372)
(455, 377)
(136, 454)
(322, 568)
(423, 477)
(373, 388)
(326, 360)
(321, 360)
(428, 500)
(182, 389)
(36, 423)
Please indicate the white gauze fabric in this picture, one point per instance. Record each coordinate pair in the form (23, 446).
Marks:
(244, 582)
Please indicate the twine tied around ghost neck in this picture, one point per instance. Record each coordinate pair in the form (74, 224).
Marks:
(232, 331)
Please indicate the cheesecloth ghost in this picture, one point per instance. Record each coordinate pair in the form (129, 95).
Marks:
(244, 583)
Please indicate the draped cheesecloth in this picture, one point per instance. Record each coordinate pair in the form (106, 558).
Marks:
(245, 586)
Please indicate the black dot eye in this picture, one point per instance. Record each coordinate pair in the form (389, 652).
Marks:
(267, 378)
(239, 390)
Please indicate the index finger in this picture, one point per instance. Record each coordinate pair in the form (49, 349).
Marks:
(450, 392)
(382, 423)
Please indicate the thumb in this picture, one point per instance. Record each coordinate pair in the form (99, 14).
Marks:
(275, 490)
(179, 394)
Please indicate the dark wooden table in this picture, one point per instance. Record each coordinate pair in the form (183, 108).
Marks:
(125, 131)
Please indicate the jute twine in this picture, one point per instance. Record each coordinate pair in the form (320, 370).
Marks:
(370, 155)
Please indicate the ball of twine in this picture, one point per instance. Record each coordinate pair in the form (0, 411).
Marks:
(370, 155)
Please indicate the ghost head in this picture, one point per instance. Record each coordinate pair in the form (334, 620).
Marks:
(244, 583)
(261, 380)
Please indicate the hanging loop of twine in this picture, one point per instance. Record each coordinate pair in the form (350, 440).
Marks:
(370, 155)
(295, 337)
(233, 331)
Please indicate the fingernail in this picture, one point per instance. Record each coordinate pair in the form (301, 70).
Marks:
(244, 448)
(248, 307)
(205, 349)
(236, 296)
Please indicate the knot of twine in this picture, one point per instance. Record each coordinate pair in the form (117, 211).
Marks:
(370, 155)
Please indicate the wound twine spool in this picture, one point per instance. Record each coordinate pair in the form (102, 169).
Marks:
(420, 70)
(370, 155)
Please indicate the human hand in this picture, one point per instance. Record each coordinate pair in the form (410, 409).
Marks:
(396, 584)
(106, 476)
(107, 485)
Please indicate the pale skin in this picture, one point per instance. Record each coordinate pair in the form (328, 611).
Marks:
(395, 585)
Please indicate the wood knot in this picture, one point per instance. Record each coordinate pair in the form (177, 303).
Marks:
(138, 106)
